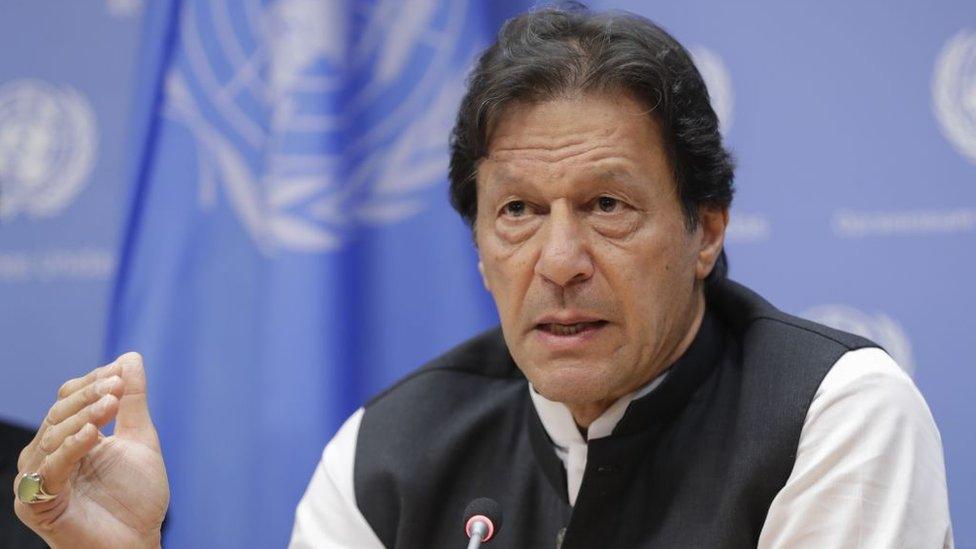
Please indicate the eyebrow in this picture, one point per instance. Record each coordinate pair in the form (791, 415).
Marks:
(613, 174)
(503, 176)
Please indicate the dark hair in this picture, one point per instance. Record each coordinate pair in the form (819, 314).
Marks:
(544, 53)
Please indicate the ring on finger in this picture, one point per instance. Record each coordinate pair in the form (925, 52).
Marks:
(30, 489)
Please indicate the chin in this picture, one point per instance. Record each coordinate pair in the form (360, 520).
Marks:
(571, 384)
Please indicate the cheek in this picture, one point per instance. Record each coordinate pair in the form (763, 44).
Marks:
(653, 279)
(508, 276)
(510, 261)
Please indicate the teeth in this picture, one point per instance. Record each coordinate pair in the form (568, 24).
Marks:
(568, 329)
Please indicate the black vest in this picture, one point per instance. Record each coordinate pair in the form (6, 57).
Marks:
(695, 463)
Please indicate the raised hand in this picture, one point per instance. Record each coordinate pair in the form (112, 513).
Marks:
(108, 491)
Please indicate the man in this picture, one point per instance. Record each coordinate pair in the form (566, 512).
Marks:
(632, 397)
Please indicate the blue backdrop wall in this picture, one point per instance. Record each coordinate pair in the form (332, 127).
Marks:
(253, 195)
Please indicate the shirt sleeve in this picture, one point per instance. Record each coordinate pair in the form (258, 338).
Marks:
(869, 470)
(327, 516)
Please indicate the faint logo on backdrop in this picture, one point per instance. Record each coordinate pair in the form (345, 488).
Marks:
(312, 120)
(747, 227)
(718, 80)
(48, 141)
(863, 224)
(878, 327)
(954, 92)
(123, 8)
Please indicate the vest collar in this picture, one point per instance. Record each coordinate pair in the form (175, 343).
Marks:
(551, 426)
(629, 412)
(684, 377)
(561, 427)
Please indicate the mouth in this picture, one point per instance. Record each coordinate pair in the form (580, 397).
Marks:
(568, 335)
(565, 330)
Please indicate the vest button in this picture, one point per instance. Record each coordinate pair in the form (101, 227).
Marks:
(560, 536)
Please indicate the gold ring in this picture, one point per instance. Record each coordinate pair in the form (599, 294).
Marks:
(30, 489)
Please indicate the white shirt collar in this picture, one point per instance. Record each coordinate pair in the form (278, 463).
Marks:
(561, 427)
(567, 441)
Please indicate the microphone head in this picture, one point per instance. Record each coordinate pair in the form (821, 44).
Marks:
(486, 510)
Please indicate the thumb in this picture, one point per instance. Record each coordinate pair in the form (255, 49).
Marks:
(133, 419)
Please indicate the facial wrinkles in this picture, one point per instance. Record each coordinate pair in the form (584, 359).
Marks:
(538, 296)
(555, 147)
(591, 295)
(566, 182)
(559, 158)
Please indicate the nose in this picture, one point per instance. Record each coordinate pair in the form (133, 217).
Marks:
(564, 259)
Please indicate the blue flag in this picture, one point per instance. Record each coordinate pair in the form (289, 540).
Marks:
(290, 249)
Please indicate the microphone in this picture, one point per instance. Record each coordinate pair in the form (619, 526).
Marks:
(482, 520)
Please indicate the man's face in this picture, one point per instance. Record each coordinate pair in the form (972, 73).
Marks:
(584, 246)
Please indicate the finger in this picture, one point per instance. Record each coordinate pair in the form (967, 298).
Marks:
(73, 385)
(97, 413)
(45, 442)
(133, 419)
(77, 401)
(58, 466)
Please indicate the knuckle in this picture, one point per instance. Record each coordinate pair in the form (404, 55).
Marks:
(54, 415)
(100, 407)
(65, 388)
(49, 464)
(88, 413)
(46, 442)
(66, 446)
(75, 440)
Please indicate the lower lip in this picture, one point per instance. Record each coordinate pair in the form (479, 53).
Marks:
(573, 342)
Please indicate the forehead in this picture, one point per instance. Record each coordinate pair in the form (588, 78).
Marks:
(604, 134)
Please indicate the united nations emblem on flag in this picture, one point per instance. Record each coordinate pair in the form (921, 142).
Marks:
(954, 92)
(878, 327)
(48, 140)
(313, 118)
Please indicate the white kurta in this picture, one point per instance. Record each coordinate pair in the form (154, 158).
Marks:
(869, 471)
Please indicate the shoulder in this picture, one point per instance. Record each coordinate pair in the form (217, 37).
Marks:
(867, 390)
(754, 319)
(869, 469)
(783, 358)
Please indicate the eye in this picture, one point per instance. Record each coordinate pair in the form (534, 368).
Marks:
(515, 208)
(607, 204)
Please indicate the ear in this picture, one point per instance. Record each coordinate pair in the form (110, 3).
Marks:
(484, 279)
(712, 224)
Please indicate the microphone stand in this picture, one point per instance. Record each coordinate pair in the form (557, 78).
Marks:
(478, 531)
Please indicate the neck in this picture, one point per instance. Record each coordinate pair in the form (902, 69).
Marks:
(586, 413)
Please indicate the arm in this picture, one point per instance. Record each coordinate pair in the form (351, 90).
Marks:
(869, 470)
(327, 515)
